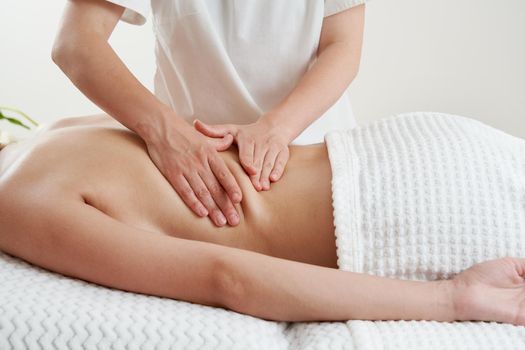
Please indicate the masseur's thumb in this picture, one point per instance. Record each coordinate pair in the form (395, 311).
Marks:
(223, 143)
(217, 130)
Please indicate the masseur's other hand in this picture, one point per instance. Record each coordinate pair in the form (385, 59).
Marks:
(263, 149)
(491, 291)
(191, 163)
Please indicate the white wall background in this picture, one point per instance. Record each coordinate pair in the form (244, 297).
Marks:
(464, 56)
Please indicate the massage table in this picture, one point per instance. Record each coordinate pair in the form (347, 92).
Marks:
(45, 310)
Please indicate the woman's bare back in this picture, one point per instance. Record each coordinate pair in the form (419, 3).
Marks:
(107, 166)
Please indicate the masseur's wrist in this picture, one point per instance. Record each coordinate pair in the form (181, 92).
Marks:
(279, 124)
(155, 128)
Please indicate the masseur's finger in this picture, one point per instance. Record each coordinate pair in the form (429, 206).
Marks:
(223, 143)
(258, 156)
(267, 167)
(203, 194)
(225, 178)
(280, 164)
(187, 194)
(218, 130)
(246, 148)
(227, 212)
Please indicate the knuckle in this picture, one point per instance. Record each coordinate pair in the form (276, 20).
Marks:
(215, 187)
(202, 193)
(231, 187)
(187, 192)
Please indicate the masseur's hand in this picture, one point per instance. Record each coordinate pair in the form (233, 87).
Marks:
(191, 163)
(263, 148)
(491, 291)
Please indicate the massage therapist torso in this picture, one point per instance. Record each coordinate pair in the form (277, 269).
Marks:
(116, 176)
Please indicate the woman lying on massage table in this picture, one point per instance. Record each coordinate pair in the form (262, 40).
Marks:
(417, 196)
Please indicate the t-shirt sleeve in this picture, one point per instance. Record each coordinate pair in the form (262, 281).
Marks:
(331, 7)
(135, 12)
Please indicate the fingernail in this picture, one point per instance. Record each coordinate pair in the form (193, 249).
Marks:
(266, 185)
(234, 219)
(274, 176)
(236, 197)
(221, 219)
(203, 211)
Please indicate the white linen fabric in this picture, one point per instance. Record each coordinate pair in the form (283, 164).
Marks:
(422, 196)
(44, 310)
(231, 61)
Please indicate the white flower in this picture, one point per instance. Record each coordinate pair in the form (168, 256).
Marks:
(5, 137)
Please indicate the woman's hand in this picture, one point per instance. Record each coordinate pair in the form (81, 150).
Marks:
(491, 291)
(190, 162)
(263, 149)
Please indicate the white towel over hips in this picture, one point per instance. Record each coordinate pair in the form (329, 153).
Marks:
(425, 195)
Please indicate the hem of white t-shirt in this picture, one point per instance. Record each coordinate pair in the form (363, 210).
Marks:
(339, 6)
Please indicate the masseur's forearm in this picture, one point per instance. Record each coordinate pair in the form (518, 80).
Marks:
(106, 81)
(337, 64)
(317, 91)
(285, 290)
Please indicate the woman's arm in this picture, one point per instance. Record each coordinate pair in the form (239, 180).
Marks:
(187, 159)
(71, 237)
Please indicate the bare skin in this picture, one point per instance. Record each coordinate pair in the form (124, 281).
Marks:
(115, 162)
(83, 198)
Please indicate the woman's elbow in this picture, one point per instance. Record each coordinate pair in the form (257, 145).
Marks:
(240, 286)
(229, 285)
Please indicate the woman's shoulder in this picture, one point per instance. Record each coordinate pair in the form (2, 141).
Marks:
(58, 149)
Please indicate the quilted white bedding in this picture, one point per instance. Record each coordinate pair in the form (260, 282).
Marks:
(44, 310)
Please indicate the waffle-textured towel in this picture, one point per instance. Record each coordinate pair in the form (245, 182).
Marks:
(423, 196)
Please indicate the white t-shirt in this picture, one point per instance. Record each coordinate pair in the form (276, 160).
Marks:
(230, 61)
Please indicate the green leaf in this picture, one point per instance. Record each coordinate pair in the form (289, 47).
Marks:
(19, 112)
(13, 121)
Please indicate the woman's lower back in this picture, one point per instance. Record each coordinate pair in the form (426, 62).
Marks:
(110, 168)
